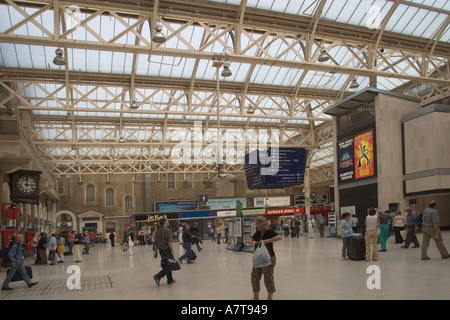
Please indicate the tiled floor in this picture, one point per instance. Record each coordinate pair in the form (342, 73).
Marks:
(306, 269)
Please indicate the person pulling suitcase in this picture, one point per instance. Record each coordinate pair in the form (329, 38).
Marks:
(16, 256)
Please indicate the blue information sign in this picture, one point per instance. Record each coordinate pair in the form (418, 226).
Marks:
(283, 167)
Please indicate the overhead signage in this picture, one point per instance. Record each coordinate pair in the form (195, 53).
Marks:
(249, 212)
(259, 202)
(227, 213)
(279, 201)
(284, 211)
(275, 167)
(228, 203)
(175, 206)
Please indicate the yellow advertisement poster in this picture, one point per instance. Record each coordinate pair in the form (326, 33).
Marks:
(364, 155)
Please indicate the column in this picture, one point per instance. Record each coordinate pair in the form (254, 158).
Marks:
(337, 203)
(34, 215)
(307, 184)
(25, 212)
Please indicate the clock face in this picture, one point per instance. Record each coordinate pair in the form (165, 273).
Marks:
(27, 184)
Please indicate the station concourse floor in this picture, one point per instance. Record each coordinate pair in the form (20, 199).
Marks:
(305, 269)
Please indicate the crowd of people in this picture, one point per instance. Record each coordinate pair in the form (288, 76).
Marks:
(379, 224)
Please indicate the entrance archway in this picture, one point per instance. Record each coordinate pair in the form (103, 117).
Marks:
(66, 221)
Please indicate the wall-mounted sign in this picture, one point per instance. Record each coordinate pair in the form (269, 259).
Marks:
(254, 212)
(259, 202)
(226, 213)
(364, 155)
(285, 211)
(346, 164)
(175, 206)
(279, 201)
(223, 204)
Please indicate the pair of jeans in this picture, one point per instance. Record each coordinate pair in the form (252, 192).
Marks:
(18, 267)
(219, 237)
(384, 234)
(188, 247)
(92, 242)
(165, 253)
(70, 245)
(344, 247)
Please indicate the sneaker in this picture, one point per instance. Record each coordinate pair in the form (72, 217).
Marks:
(157, 280)
(346, 258)
(170, 282)
(6, 289)
(32, 284)
(180, 261)
(190, 262)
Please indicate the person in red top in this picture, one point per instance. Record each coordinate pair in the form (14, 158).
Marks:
(70, 242)
(92, 238)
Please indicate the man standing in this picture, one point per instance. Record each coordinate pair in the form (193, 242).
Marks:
(92, 238)
(112, 238)
(322, 226)
(411, 228)
(42, 250)
(16, 256)
(297, 226)
(70, 240)
(86, 241)
(163, 243)
(77, 247)
(430, 229)
(187, 245)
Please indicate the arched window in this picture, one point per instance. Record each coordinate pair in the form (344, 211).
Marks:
(128, 204)
(90, 194)
(110, 197)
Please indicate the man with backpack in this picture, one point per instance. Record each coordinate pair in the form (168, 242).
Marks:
(411, 219)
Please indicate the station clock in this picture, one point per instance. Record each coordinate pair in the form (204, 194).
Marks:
(25, 186)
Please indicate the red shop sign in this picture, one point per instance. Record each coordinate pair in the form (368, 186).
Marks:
(284, 211)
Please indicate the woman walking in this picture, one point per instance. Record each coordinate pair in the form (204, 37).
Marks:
(311, 224)
(372, 224)
(346, 229)
(399, 223)
(385, 220)
(61, 248)
(267, 236)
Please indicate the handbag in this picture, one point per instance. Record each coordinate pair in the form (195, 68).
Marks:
(261, 257)
(404, 234)
(169, 264)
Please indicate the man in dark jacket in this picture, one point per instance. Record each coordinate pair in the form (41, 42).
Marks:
(163, 243)
(16, 256)
(196, 240)
(187, 245)
(112, 238)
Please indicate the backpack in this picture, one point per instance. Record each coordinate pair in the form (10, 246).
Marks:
(418, 220)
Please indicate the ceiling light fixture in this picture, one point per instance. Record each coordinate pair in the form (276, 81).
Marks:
(226, 72)
(354, 84)
(59, 59)
(134, 105)
(159, 37)
(69, 116)
(250, 109)
(161, 148)
(323, 55)
(121, 140)
(74, 147)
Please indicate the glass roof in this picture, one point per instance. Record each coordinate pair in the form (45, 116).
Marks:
(406, 19)
(156, 105)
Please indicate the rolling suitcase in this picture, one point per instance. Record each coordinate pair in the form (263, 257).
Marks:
(356, 248)
(18, 276)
